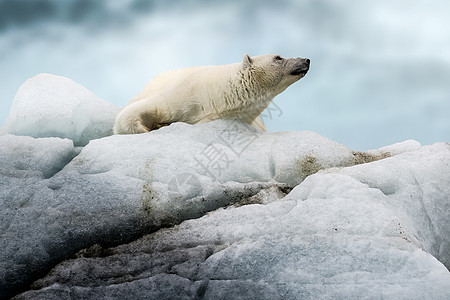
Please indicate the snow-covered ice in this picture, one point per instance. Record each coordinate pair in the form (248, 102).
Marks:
(53, 106)
(339, 234)
(217, 210)
(23, 156)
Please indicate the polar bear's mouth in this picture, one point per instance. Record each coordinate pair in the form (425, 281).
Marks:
(299, 71)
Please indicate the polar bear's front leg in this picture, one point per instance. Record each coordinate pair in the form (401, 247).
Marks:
(138, 117)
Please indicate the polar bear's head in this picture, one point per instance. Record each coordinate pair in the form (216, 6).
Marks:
(274, 73)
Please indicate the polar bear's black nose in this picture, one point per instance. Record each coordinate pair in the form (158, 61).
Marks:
(305, 62)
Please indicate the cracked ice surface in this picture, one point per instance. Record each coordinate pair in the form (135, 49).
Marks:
(379, 229)
(338, 234)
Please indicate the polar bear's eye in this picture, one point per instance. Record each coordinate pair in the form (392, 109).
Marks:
(277, 58)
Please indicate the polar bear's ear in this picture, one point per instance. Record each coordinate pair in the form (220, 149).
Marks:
(247, 61)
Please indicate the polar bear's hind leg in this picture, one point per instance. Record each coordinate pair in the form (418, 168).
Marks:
(134, 119)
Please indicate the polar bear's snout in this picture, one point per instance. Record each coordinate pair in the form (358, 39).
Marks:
(300, 66)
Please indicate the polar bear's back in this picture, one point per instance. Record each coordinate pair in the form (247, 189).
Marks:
(171, 80)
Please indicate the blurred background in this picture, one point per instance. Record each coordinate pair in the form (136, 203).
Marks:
(380, 70)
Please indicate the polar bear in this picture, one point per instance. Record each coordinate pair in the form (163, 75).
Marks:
(240, 91)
